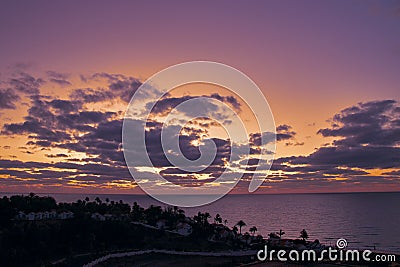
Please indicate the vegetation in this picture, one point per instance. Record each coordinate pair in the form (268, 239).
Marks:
(280, 233)
(304, 234)
(240, 224)
(253, 230)
(102, 226)
(218, 218)
(99, 227)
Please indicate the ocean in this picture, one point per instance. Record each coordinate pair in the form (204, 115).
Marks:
(365, 220)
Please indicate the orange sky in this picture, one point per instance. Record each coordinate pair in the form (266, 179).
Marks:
(310, 59)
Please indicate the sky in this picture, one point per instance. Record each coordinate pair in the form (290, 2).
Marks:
(328, 69)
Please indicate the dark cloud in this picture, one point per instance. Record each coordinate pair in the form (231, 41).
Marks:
(89, 95)
(228, 99)
(190, 151)
(40, 143)
(393, 173)
(368, 138)
(283, 128)
(58, 78)
(187, 180)
(6, 163)
(40, 131)
(360, 157)
(184, 178)
(61, 173)
(64, 106)
(50, 122)
(57, 75)
(111, 77)
(8, 98)
(284, 132)
(26, 83)
(60, 82)
(59, 155)
(294, 143)
(119, 87)
(373, 123)
(166, 104)
(256, 139)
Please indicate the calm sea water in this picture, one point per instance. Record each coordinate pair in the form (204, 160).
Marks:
(365, 220)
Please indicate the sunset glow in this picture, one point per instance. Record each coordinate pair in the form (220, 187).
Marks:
(328, 70)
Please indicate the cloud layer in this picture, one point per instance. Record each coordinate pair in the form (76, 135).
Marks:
(80, 141)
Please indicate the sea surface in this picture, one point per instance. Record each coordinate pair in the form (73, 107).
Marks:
(365, 220)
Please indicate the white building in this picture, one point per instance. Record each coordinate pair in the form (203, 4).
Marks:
(161, 223)
(20, 216)
(31, 216)
(183, 228)
(66, 215)
(98, 217)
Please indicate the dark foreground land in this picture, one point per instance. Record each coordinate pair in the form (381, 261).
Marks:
(37, 231)
(194, 261)
(171, 260)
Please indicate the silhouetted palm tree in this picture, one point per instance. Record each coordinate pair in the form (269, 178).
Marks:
(235, 230)
(206, 217)
(253, 230)
(304, 234)
(280, 233)
(218, 218)
(98, 200)
(202, 219)
(240, 224)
